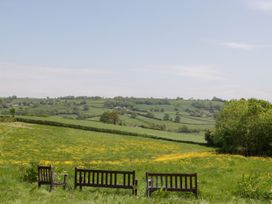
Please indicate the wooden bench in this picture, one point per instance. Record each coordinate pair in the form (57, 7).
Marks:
(171, 182)
(106, 179)
(46, 177)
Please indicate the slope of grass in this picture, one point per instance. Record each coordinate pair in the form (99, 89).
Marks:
(66, 148)
(192, 137)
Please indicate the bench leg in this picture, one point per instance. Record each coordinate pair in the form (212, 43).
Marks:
(196, 194)
(50, 188)
(148, 193)
(64, 182)
(135, 190)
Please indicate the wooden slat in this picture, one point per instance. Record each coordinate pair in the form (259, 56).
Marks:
(80, 177)
(89, 177)
(186, 187)
(93, 175)
(106, 178)
(45, 175)
(102, 178)
(115, 178)
(161, 181)
(129, 175)
(180, 181)
(124, 179)
(97, 177)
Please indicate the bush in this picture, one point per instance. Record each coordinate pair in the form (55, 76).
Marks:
(245, 127)
(166, 116)
(30, 174)
(209, 137)
(186, 129)
(7, 119)
(110, 117)
(255, 187)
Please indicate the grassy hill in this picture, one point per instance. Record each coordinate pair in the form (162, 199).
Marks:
(188, 137)
(220, 176)
(195, 115)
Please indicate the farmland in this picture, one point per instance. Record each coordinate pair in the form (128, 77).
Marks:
(149, 113)
(220, 175)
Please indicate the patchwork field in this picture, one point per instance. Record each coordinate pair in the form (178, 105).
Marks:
(190, 137)
(222, 178)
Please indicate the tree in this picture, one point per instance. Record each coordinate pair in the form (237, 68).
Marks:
(149, 115)
(133, 115)
(184, 129)
(12, 112)
(86, 107)
(166, 116)
(110, 117)
(244, 127)
(177, 118)
(209, 137)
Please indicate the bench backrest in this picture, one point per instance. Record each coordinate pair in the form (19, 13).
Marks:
(104, 178)
(45, 174)
(172, 182)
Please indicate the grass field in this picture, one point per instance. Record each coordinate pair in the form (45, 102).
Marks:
(66, 148)
(194, 114)
(191, 137)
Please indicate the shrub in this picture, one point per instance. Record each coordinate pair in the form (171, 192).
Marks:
(7, 119)
(30, 174)
(133, 115)
(177, 118)
(245, 127)
(186, 129)
(166, 116)
(255, 187)
(110, 117)
(209, 137)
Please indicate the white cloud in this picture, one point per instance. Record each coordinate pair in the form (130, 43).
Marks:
(238, 45)
(263, 5)
(197, 71)
(203, 72)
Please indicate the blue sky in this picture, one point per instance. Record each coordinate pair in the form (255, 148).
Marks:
(142, 48)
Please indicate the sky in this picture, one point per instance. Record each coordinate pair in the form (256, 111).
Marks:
(140, 48)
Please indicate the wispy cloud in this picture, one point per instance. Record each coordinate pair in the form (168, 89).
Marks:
(238, 45)
(203, 72)
(50, 81)
(263, 5)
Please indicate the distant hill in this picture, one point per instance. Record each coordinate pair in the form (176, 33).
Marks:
(175, 115)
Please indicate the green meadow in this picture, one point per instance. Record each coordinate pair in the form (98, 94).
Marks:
(222, 178)
(191, 137)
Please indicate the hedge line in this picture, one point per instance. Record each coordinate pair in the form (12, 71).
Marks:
(104, 130)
